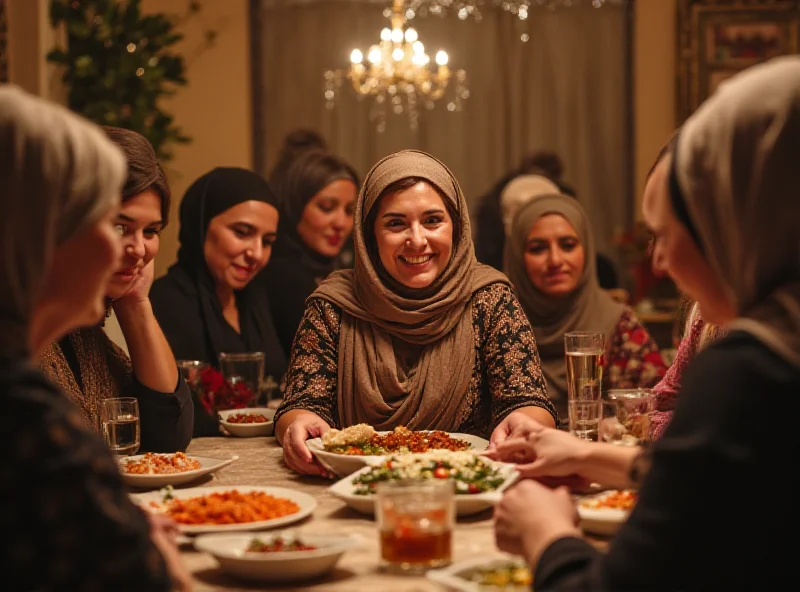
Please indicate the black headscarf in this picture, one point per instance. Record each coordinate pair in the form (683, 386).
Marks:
(185, 300)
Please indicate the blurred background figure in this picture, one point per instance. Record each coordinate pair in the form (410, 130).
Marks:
(317, 194)
(515, 188)
(550, 261)
(295, 143)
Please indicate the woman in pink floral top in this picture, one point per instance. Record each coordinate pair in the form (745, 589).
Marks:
(549, 259)
(698, 335)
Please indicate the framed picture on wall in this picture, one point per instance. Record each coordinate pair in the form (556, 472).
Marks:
(3, 42)
(718, 38)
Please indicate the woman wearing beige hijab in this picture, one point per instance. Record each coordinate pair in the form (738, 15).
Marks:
(713, 504)
(550, 260)
(73, 524)
(419, 334)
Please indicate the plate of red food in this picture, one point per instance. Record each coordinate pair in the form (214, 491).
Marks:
(248, 422)
(346, 451)
(280, 558)
(225, 508)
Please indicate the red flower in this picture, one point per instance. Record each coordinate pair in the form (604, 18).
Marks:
(218, 394)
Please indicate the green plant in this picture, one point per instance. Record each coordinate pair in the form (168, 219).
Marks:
(118, 64)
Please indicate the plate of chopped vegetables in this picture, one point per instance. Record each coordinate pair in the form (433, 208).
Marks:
(154, 470)
(276, 558)
(346, 451)
(249, 422)
(479, 482)
(603, 513)
(500, 574)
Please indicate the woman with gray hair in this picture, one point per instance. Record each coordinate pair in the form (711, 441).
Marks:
(74, 526)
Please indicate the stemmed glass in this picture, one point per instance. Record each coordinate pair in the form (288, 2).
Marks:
(120, 422)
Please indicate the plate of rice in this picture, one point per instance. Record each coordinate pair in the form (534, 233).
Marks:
(343, 452)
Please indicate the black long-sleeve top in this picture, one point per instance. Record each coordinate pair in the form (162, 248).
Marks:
(716, 508)
(67, 518)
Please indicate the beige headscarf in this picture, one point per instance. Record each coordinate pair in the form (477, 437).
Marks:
(520, 191)
(59, 175)
(737, 166)
(375, 385)
(588, 308)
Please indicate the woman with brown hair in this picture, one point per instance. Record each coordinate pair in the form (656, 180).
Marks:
(419, 334)
(74, 526)
(317, 194)
(85, 364)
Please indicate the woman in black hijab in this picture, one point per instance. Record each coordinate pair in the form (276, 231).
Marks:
(208, 303)
(317, 193)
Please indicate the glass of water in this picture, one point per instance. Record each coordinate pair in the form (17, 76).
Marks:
(584, 418)
(120, 422)
(584, 359)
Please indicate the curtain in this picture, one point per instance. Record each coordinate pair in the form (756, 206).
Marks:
(566, 89)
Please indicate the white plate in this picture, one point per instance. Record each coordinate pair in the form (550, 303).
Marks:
(207, 465)
(248, 430)
(344, 464)
(305, 501)
(280, 567)
(454, 576)
(466, 504)
(602, 521)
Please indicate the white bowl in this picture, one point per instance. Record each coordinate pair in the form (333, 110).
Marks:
(466, 503)
(602, 521)
(248, 430)
(279, 567)
(207, 465)
(345, 464)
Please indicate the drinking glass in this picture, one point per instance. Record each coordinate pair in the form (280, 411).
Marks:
(415, 520)
(584, 359)
(246, 369)
(632, 409)
(191, 370)
(120, 423)
(205, 424)
(584, 418)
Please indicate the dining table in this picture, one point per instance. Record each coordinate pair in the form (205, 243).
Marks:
(259, 462)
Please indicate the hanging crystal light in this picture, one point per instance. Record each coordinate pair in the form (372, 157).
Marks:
(398, 74)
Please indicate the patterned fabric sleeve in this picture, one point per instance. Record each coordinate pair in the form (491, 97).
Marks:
(508, 349)
(667, 390)
(634, 359)
(75, 526)
(312, 378)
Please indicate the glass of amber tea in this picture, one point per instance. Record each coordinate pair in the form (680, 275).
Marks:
(415, 521)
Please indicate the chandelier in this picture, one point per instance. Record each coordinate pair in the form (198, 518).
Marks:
(398, 74)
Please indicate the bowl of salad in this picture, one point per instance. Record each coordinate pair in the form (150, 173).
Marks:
(479, 482)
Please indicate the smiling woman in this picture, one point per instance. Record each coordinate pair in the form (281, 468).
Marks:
(85, 363)
(317, 192)
(418, 334)
(208, 302)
